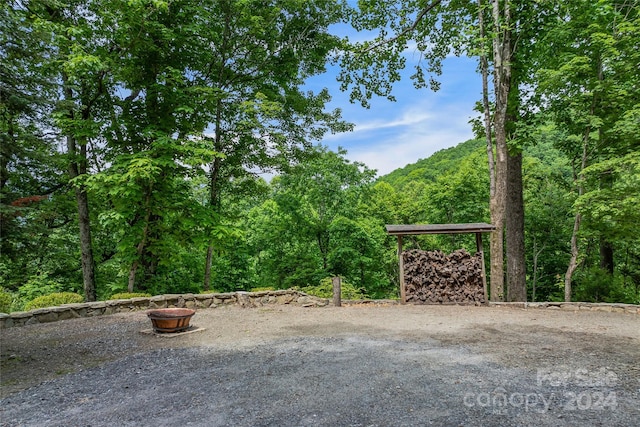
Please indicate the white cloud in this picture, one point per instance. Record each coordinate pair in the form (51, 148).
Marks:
(416, 133)
(410, 117)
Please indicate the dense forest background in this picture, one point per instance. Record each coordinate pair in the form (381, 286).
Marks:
(135, 137)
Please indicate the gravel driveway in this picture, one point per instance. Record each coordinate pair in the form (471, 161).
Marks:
(350, 366)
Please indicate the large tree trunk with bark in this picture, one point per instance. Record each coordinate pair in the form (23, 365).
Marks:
(77, 166)
(216, 163)
(496, 244)
(207, 268)
(86, 247)
(502, 50)
(514, 211)
(496, 206)
(214, 202)
(516, 271)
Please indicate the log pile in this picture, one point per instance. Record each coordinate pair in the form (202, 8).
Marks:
(432, 277)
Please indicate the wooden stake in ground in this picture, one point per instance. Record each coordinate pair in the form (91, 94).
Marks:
(337, 291)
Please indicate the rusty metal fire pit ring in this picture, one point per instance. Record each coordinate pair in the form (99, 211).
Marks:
(170, 320)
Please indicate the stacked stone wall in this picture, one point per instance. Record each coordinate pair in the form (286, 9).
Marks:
(252, 299)
(195, 301)
(572, 306)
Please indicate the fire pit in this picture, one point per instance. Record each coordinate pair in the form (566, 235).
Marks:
(168, 320)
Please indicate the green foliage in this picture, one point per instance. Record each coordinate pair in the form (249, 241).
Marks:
(314, 226)
(263, 288)
(361, 257)
(55, 299)
(372, 66)
(6, 301)
(613, 209)
(325, 290)
(232, 270)
(459, 196)
(549, 216)
(587, 75)
(42, 284)
(136, 87)
(129, 295)
(597, 285)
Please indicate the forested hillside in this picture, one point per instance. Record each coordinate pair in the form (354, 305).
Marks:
(435, 165)
(134, 134)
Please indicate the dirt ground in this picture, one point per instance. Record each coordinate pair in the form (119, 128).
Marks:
(354, 366)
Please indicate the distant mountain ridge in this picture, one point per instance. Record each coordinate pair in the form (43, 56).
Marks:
(433, 166)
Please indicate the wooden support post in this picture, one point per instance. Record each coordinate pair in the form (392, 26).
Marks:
(484, 274)
(337, 291)
(403, 292)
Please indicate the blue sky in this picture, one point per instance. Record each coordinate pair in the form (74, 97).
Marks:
(391, 135)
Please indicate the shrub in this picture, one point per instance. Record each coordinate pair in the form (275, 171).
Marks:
(129, 295)
(5, 301)
(325, 290)
(38, 286)
(596, 285)
(53, 300)
(263, 288)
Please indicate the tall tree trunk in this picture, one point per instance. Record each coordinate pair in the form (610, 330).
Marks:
(216, 163)
(143, 241)
(516, 271)
(536, 256)
(606, 255)
(606, 248)
(77, 164)
(214, 196)
(514, 211)
(496, 239)
(207, 267)
(573, 260)
(496, 244)
(502, 85)
(213, 204)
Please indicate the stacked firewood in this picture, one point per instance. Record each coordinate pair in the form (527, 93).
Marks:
(432, 277)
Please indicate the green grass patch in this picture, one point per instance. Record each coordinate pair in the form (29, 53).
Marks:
(263, 289)
(129, 295)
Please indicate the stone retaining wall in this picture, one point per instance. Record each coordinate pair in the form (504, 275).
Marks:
(251, 299)
(195, 301)
(567, 306)
(572, 306)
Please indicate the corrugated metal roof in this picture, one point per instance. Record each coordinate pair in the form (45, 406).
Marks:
(480, 227)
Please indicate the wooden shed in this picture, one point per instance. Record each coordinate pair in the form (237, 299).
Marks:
(405, 230)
